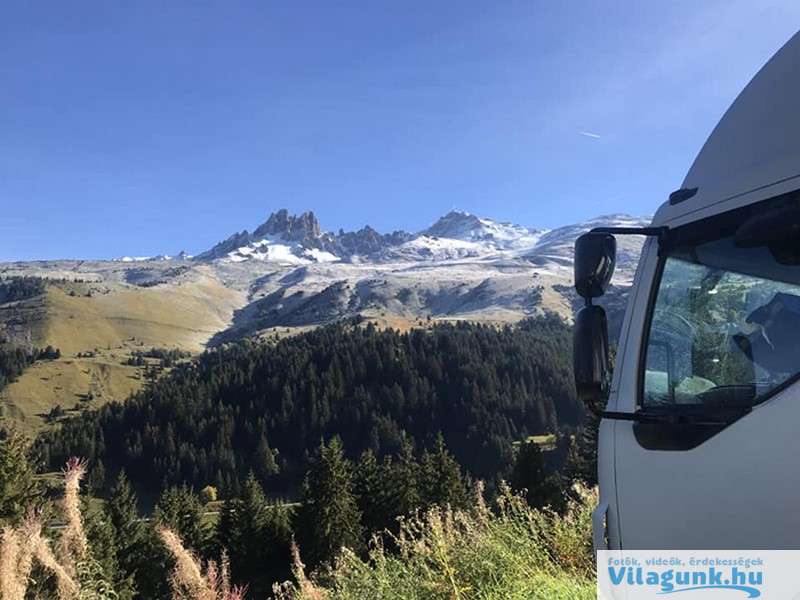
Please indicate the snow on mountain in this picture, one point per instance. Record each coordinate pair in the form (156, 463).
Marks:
(283, 238)
(430, 248)
(462, 266)
(457, 225)
(289, 272)
(557, 245)
(277, 249)
(129, 259)
(299, 240)
(182, 255)
(289, 239)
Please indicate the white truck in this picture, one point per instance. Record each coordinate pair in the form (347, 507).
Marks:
(699, 443)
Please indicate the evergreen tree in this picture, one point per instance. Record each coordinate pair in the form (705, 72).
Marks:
(442, 482)
(19, 490)
(256, 536)
(212, 420)
(103, 544)
(128, 528)
(530, 474)
(329, 515)
(372, 489)
(180, 509)
(582, 460)
(226, 538)
(265, 459)
(404, 480)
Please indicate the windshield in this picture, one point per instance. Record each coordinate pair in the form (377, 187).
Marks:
(724, 327)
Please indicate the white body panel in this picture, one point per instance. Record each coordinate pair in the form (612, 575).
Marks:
(740, 489)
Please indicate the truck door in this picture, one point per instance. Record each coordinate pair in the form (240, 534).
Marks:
(712, 460)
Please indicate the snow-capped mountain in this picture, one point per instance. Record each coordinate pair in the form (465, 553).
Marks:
(557, 244)
(290, 272)
(298, 240)
(457, 225)
(286, 239)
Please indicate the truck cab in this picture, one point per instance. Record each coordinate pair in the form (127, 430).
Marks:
(700, 423)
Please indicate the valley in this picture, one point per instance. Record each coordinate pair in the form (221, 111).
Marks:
(285, 277)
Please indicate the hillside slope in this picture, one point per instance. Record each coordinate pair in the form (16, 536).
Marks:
(97, 327)
(260, 406)
(285, 277)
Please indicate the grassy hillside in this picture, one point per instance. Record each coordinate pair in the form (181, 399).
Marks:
(73, 384)
(97, 327)
(123, 316)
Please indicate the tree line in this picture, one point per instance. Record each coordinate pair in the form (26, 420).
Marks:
(20, 288)
(261, 406)
(167, 357)
(13, 361)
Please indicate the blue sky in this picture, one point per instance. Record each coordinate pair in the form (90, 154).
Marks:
(148, 127)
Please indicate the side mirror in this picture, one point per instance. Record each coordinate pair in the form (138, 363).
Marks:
(595, 256)
(590, 357)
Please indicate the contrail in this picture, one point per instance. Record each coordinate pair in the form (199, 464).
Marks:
(589, 134)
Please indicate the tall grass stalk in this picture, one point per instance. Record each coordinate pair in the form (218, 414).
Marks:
(23, 547)
(513, 552)
(190, 581)
(506, 552)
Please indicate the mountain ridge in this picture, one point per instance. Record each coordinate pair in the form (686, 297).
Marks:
(299, 239)
(290, 272)
(286, 276)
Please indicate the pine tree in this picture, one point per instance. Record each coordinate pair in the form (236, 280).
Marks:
(329, 515)
(214, 420)
(257, 536)
(19, 490)
(243, 532)
(530, 473)
(441, 479)
(405, 480)
(103, 540)
(225, 534)
(180, 509)
(129, 530)
(582, 461)
(372, 492)
(265, 459)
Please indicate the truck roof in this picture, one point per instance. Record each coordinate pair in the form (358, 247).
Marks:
(753, 152)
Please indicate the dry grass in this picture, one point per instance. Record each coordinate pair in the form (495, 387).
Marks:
(173, 316)
(111, 325)
(189, 581)
(506, 552)
(24, 545)
(513, 552)
(70, 564)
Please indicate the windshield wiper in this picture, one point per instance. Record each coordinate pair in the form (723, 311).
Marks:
(702, 416)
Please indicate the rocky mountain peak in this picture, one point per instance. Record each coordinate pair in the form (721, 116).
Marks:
(455, 224)
(290, 227)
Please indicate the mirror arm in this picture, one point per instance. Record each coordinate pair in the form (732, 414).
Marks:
(658, 232)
